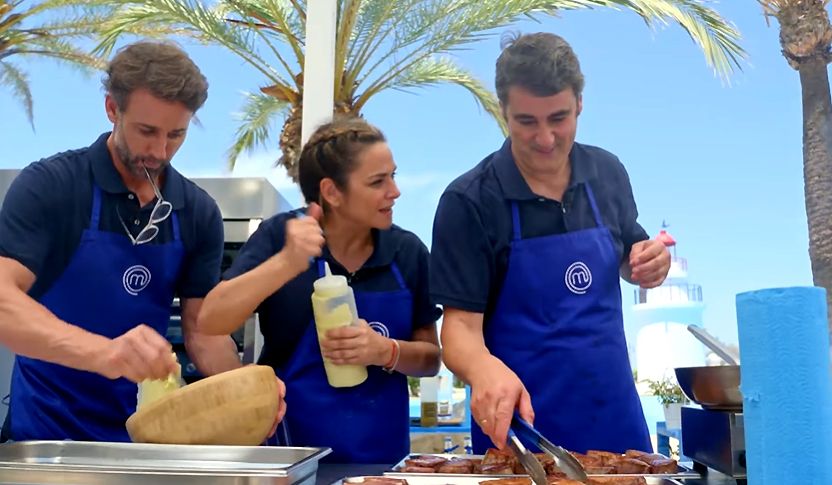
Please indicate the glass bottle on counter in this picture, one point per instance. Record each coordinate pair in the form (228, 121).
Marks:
(333, 305)
(429, 398)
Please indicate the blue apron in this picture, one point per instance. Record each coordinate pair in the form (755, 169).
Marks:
(109, 287)
(558, 325)
(368, 423)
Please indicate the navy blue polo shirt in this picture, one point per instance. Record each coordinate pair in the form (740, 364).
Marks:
(286, 314)
(472, 230)
(48, 207)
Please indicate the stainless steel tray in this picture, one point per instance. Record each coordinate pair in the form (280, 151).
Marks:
(683, 471)
(75, 462)
(437, 479)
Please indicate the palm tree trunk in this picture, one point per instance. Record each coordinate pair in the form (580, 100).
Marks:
(291, 135)
(817, 169)
(290, 141)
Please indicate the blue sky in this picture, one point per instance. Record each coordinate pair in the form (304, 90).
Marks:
(720, 162)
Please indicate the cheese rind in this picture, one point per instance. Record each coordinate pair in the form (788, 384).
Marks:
(238, 407)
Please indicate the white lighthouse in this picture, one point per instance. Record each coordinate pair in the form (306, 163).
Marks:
(662, 316)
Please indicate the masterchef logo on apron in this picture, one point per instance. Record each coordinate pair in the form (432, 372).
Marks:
(380, 328)
(578, 278)
(135, 279)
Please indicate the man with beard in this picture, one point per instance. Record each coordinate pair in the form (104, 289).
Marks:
(94, 245)
(528, 249)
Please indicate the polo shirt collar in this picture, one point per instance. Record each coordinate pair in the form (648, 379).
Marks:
(515, 186)
(384, 250)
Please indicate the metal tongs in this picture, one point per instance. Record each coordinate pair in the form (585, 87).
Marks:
(528, 460)
(563, 459)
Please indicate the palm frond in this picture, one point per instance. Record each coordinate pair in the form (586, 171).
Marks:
(67, 18)
(62, 50)
(348, 16)
(256, 124)
(718, 38)
(446, 71)
(381, 23)
(272, 19)
(192, 17)
(68, 5)
(18, 82)
(53, 29)
(253, 19)
(432, 28)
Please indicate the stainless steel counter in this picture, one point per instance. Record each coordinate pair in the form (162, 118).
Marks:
(88, 463)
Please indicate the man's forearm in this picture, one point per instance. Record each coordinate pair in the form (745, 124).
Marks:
(28, 328)
(213, 354)
(463, 349)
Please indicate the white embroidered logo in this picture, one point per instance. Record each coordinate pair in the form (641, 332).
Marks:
(135, 279)
(578, 278)
(380, 328)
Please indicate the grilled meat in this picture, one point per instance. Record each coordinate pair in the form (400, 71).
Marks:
(456, 466)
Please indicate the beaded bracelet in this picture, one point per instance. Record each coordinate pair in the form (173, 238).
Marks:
(394, 359)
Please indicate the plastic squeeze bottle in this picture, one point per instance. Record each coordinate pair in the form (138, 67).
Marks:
(333, 305)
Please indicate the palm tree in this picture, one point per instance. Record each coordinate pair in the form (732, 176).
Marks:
(59, 24)
(806, 39)
(380, 45)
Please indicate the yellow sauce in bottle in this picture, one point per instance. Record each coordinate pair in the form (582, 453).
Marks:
(333, 305)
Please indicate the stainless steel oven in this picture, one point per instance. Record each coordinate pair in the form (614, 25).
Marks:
(244, 202)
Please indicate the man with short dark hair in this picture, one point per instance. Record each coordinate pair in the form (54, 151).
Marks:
(94, 244)
(527, 251)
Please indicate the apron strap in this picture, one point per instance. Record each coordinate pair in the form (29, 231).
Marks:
(95, 214)
(515, 213)
(398, 274)
(175, 221)
(515, 221)
(393, 267)
(597, 214)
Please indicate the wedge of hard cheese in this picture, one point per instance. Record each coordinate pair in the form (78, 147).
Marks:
(237, 407)
(153, 390)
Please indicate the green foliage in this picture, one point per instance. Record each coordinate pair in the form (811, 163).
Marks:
(413, 385)
(667, 391)
(53, 29)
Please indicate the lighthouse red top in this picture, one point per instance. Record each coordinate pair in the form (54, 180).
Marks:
(666, 238)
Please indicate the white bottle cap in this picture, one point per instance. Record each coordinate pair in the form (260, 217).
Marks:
(329, 282)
